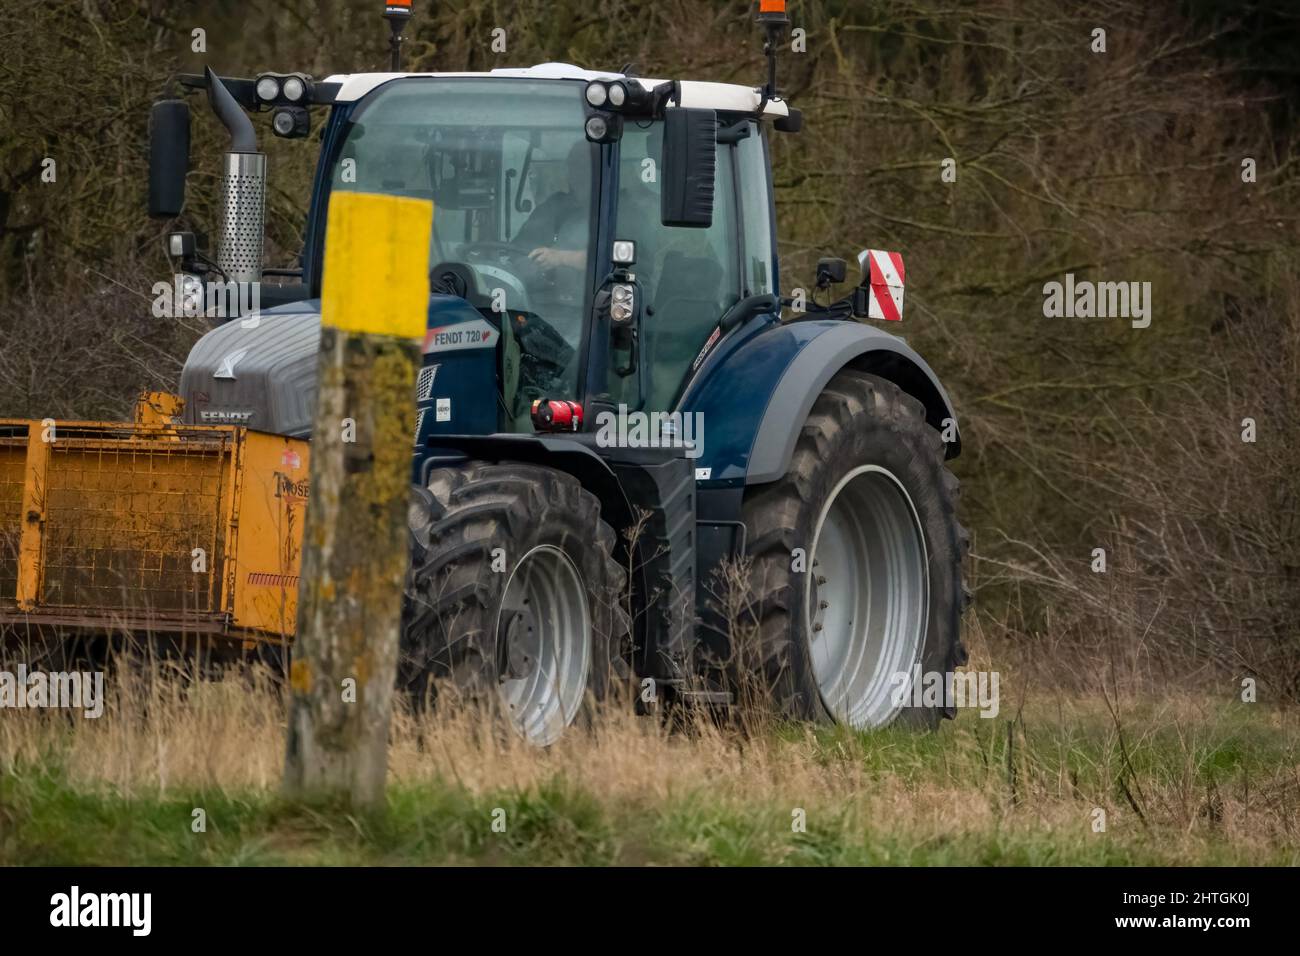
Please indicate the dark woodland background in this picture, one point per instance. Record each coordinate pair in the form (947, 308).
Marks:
(1078, 433)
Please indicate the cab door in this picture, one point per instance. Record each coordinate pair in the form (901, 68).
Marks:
(690, 277)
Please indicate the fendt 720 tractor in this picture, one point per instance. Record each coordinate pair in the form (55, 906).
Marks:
(627, 463)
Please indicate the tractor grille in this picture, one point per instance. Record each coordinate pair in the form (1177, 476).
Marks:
(13, 455)
(124, 520)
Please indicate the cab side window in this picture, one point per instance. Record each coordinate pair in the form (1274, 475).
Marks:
(756, 213)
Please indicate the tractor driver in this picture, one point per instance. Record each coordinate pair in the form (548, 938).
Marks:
(556, 233)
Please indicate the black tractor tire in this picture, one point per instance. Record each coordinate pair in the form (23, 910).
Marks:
(470, 530)
(859, 419)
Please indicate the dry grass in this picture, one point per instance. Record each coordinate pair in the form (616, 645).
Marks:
(1186, 778)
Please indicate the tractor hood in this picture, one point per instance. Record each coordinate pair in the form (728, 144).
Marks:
(259, 372)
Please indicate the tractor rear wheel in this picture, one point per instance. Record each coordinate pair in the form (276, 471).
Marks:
(513, 599)
(855, 562)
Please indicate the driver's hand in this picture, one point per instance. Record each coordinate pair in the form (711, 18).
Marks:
(550, 258)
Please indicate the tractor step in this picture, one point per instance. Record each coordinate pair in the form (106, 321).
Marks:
(707, 698)
(698, 696)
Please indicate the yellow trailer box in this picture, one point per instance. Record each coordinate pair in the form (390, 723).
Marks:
(150, 527)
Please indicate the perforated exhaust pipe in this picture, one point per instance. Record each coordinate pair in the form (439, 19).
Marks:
(243, 214)
(243, 191)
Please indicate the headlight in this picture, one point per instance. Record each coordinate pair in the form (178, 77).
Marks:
(268, 88)
(597, 94)
(192, 304)
(623, 304)
(294, 88)
(617, 95)
(597, 128)
(180, 245)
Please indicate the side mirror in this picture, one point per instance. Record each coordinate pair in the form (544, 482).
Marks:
(792, 123)
(689, 167)
(830, 272)
(169, 157)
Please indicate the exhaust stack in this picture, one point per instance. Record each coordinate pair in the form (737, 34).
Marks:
(243, 190)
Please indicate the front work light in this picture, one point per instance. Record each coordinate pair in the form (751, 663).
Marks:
(611, 93)
(268, 88)
(624, 252)
(291, 122)
(294, 88)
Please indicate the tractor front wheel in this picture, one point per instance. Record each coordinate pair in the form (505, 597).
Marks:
(513, 598)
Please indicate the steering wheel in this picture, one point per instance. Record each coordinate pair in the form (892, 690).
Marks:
(514, 258)
(502, 253)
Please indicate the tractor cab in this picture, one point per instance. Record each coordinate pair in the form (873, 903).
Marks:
(560, 217)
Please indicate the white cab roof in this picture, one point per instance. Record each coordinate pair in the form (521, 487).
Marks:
(695, 94)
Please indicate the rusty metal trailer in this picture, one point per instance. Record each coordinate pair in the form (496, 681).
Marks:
(150, 527)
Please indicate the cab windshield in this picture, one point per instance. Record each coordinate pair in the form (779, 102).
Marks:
(510, 173)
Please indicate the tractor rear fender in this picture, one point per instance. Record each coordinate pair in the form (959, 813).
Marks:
(788, 365)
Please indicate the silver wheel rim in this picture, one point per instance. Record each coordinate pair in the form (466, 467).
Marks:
(867, 604)
(544, 628)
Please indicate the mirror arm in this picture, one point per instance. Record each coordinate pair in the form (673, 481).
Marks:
(731, 135)
(662, 95)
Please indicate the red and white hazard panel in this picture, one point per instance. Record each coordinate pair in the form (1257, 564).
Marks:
(885, 278)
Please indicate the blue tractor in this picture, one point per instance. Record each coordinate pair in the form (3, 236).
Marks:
(628, 466)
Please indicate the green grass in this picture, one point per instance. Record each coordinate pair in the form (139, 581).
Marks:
(50, 823)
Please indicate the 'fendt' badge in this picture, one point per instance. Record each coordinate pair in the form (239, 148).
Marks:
(225, 417)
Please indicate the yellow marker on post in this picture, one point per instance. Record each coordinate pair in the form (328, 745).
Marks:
(377, 265)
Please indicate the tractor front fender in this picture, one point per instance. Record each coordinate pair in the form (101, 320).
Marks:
(660, 533)
(786, 366)
(569, 453)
